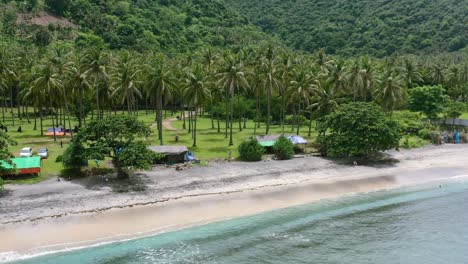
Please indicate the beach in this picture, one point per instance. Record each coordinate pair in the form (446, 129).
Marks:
(56, 215)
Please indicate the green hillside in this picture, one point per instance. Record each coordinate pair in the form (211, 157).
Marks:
(168, 25)
(376, 27)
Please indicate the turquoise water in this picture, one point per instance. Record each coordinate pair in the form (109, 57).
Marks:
(413, 225)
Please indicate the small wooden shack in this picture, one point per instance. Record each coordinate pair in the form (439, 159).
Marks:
(173, 154)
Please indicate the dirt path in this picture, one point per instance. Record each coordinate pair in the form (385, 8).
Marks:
(167, 124)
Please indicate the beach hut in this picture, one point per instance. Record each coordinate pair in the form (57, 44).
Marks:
(31, 165)
(267, 141)
(172, 154)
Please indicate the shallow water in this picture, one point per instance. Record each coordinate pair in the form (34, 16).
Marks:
(424, 224)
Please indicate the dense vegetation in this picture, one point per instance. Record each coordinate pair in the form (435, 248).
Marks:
(174, 26)
(201, 59)
(358, 130)
(358, 27)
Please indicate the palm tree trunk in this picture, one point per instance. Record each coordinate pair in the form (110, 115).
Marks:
(239, 113)
(35, 118)
(41, 116)
(96, 86)
(231, 142)
(195, 129)
(183, 116)
(160, 122)
(227, 113)
(310, 124)
(11, 107)
(68, 113)
(190, 120)
(298, 123)
(219, 128)
(269, 107)
(27, 114)
(53, 128)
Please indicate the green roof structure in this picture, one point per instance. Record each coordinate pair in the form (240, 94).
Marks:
(269, 143)
(23, 163)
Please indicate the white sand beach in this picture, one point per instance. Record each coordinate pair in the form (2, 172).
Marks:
(55, 215)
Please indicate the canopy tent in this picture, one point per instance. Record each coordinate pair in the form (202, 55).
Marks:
(297, 140)
(30, 165)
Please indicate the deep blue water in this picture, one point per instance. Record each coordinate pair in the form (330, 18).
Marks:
(418, 225)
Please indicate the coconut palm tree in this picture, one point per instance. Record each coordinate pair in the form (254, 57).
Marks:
(79, 81)
(197, 92)
(390, 93)
(270, 82)
(410, 73)
(159, 85)
(299, 93)
(49, 81)
(233, 78)
(368, 76)
(97, 61)
(124, 81)
(354, 80)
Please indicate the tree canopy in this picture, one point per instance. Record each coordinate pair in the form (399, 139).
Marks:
(358, 130)
(349, 28)
(428, 99)
(115, 137)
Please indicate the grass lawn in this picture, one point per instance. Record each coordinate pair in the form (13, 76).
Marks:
(210, 143)
(464, 116)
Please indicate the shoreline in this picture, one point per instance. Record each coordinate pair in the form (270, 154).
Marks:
(221, 195)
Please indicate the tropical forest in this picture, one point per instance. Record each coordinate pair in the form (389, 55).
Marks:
(211, 74)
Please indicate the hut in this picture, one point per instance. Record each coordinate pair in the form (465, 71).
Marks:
(23, 166)
(172, 154)
(267, 141)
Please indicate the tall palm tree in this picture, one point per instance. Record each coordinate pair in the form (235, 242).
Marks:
(368, 75)
(97, 61)
(197, 92)
(325, 100)
(337, 76)
(159, 85)
(354, 79)
(411, 73)
(300, 92)
(79, 82)
(270, 81)
(59, 57)
(125, 81)
(391, 92)
(232, 77)
(48, 80)
(437, 74)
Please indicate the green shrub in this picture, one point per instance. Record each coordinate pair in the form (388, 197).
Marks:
(73, 158)
(251, 150)
(283, 148)
(1, 184)
(59, 158)
(425, 134)
(291, 119)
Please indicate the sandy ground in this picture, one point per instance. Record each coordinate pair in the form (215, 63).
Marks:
(167, 124)
(52, 214)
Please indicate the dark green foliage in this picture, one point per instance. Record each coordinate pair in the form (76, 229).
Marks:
(410, 122)
(283, 148)
(115, 137)
(251, 150)
(137, 155)
(358, 130)
(73, 157)
(454, 109)
(5, 155)
(379, 28)
(429, 100)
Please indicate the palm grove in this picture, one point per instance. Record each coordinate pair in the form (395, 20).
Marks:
(271, 86)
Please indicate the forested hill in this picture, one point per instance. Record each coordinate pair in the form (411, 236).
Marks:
(169, 25)
(354, 27)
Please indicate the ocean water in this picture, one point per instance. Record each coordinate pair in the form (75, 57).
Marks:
(417, 225)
